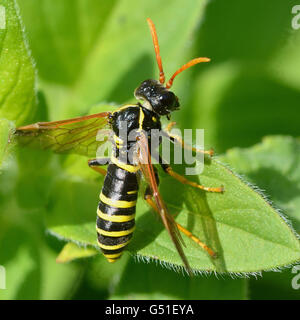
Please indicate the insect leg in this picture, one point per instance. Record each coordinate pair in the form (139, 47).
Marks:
(168, 169)
(148, 198)
(96, 163)
(174, 138)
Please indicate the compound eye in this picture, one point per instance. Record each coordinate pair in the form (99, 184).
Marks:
(169, 100)
(166, 99)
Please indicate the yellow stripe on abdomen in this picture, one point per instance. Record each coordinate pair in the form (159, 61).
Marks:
(112, 247)
(128, 167)
(115, 233)
(117, 203)
(113, 256)
(115, 218)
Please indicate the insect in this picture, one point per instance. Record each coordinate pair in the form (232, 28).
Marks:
(116, 210)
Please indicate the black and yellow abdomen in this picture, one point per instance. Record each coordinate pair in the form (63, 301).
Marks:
(116, 209)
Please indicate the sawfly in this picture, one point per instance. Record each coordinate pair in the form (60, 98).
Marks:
(116, 210)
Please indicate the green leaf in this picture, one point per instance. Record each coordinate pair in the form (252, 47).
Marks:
(6, 129)
(273, 165)
(17, 73)
(71, 251)
(66, 34)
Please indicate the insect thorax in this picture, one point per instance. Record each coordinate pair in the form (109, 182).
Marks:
(126, 123)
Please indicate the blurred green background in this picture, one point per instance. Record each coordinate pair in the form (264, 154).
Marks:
(88, 52)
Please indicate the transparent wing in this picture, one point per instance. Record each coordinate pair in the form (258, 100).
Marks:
(77, 135)
(144, 160)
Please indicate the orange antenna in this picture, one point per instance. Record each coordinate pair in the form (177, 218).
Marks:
(187, 65)
(156, 48)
